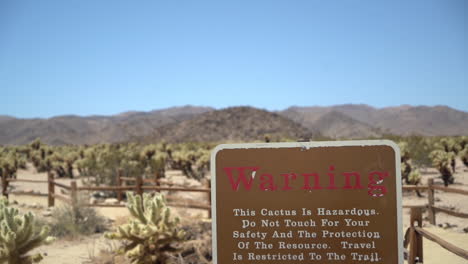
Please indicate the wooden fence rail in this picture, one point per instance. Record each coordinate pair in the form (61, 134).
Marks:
(415, 233)
(431, 208)
(138, 186)
(414, 238)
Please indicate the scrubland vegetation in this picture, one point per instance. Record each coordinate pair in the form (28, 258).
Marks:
(152, 234)
(104, 161)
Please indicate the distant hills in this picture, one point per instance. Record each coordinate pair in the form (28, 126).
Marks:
(232, 124)
(401, 120)
(92, 129)
(192, 123)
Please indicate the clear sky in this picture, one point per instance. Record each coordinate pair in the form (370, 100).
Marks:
(105, 57)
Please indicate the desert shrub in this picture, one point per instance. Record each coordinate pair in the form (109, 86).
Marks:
(198, 248)
(419, 147)
(19, 234)
(71, 221)
(152, 233)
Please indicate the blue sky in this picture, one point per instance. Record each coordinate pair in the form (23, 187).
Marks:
(105, 57)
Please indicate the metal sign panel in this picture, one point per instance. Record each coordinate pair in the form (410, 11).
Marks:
(311, 202)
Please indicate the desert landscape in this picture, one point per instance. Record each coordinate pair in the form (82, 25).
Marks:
(114, 113)
(83, 216)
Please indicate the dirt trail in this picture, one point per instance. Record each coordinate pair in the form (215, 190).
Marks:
(76, 251)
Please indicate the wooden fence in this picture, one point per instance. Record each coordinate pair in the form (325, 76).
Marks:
(431, 208)
(415, 233)
(139, 186)
(413, 236)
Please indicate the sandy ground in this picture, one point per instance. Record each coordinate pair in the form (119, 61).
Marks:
(83, 249)
(433, 253)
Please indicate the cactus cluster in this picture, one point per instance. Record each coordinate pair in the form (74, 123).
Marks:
(442, 161)
(192, 159)
(445, 154)
(19, 235)
(464, 150)
(152, 233)
(408, 174)
(59, 159)
(104, 161)
(11, 160)
(464, 156)
(450, 146)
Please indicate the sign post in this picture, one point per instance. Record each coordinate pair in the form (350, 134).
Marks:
(307, 202)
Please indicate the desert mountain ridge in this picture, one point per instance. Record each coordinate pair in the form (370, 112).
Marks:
(244, 123)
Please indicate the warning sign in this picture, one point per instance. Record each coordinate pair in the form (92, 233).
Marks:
(314, 202)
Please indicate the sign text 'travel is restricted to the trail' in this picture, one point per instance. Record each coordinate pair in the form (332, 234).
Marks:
(314, 202)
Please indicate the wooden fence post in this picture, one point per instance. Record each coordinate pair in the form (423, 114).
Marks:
(119, 184)
(156, 179)
(209, 198)
(416, 243)
(430, 197)
(51, 189)
(74, 193)
(139, 184)
(4, 186)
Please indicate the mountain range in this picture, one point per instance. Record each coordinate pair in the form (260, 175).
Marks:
(233, 124)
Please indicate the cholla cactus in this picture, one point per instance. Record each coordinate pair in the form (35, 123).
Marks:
(406, 169)
(442, 161)
(152, 231)
(414, 177)
(449, 145)
(406, 164)
(464, 155)
(193, 160)
(19, 235)
(404, 150)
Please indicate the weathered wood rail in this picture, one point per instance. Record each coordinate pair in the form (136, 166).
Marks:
(430, 207)
(415, 233)
(140, 185)
(414, 238)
